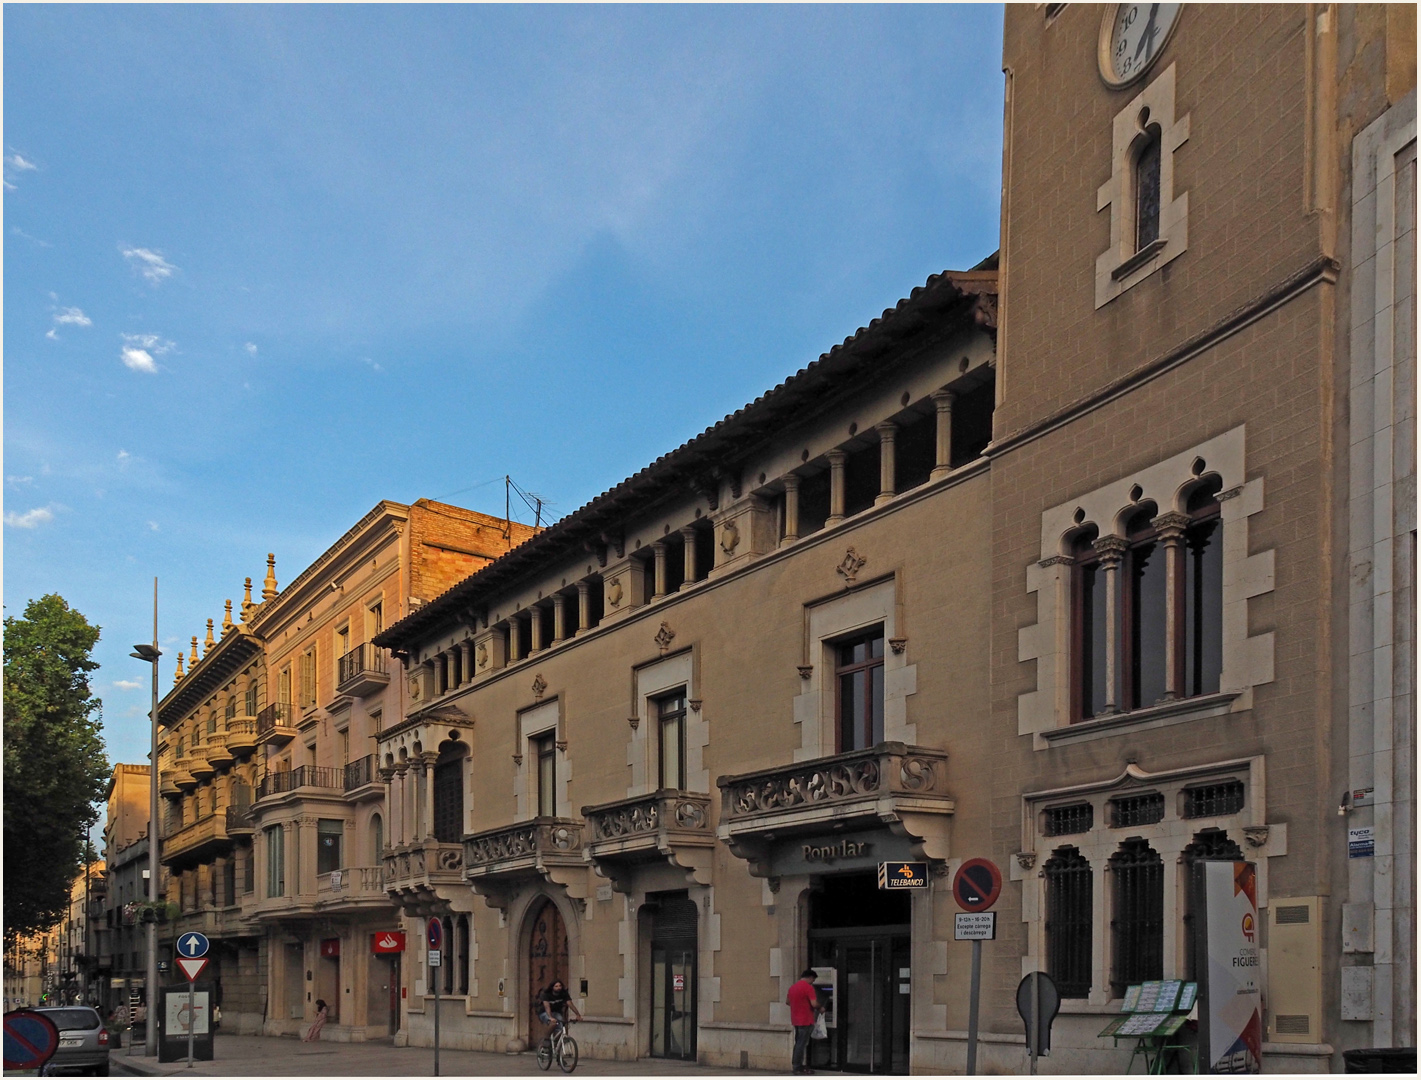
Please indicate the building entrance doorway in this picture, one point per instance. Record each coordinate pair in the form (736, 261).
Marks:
(673, 976)
(547, 960)
(860, 937)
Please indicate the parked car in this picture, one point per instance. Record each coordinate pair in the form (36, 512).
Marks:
(83, 1040)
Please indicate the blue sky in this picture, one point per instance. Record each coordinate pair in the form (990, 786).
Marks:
(265, 266)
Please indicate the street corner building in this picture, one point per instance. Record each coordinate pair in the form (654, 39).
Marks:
(1095, 560)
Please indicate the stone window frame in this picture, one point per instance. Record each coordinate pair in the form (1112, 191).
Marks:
(826, 622)
(1045, 713)
(534, 722)
(1120, 266)
(1248, 828)
(651, 681)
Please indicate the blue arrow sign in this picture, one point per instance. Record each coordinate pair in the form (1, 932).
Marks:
(192, 945)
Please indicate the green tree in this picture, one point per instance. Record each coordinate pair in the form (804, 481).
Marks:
(55, 766)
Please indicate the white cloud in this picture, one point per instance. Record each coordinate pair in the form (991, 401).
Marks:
(150, 264)
(153, 525)
(138, 360)
(123, 456)
(127, 684)
(72, 316)
(52, 335)
(16, 161)
(373, 366)
(139, 350)
(17, 480)
(30, 518)
(251, 348)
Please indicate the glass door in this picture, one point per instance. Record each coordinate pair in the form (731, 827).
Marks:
(673, 1001)
(873, 1013)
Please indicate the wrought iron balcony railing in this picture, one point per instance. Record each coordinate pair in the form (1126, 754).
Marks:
(303, 776)
(277, 722)
(361, 772)
(361, 671)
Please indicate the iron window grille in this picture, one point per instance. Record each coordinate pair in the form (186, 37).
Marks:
(1131, 811)
(1137, 923)
(1068, 921)
(1069, 820)
(1208, 844)
(1213, 800)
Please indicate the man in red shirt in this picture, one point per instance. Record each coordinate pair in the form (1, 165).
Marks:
(804, 1007)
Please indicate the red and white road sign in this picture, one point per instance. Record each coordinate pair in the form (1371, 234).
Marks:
(192, 967)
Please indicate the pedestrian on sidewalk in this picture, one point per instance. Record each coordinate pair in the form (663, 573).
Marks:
(804, 1008)
(313, 1034)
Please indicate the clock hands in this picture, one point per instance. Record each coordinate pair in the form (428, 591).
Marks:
(1148, 34)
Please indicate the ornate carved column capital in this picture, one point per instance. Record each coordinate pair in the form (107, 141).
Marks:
(1171, 525)
(1111, 549)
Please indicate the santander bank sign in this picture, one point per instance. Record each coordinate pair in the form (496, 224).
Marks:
(388, 941)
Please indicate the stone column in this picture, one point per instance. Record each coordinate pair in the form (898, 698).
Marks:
(887, 462)
(688, 556)
(430, 757)
(1112, 553)
(659, 551)
(584, 606)
(440, 670)
(836, 486)
(943, 400)
(1171, 528)
(559, 618)
(466, 662)
(791, 510)
(514, 645)
(535, 626)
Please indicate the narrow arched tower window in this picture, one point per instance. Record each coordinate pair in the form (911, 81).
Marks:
(1147, 189)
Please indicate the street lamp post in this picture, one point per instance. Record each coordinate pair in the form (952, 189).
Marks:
(151, 653)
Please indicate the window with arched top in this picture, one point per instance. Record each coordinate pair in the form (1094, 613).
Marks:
(1147, 187)
(1137, 915)
(449, 794)
(1069, 914)
(377, 839)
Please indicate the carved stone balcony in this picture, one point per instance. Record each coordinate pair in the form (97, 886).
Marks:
(276, 724)
(361, 671)
(198, 765)
(892, 785)
(167, 784)
(352, 888)
(422, 878)
(241, 735)
(182, 774)
(666, 827)
(216, 752)
(500, 859)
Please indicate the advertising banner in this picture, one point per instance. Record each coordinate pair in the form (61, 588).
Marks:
(1232, 1003)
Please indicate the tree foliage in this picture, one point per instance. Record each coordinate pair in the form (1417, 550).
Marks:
(55, 766)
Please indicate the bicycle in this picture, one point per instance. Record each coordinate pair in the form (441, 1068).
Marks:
(558, 1045)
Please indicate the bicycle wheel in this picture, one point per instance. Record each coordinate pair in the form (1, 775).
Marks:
(545, 1054)
(567, 1054)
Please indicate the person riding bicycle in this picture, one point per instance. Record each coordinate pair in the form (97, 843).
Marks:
(554, 1002)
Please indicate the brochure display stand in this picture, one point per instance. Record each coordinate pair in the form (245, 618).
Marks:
(1153, 1015)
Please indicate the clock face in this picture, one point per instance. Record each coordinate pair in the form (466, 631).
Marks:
(1137, 34)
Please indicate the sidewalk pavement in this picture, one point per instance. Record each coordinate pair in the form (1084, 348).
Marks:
(256, 1055)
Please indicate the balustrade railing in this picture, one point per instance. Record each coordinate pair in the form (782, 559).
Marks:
(361, 772)
(241, 727)
(883, 770)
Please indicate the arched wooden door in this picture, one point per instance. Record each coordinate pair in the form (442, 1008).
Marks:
(547, 960)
